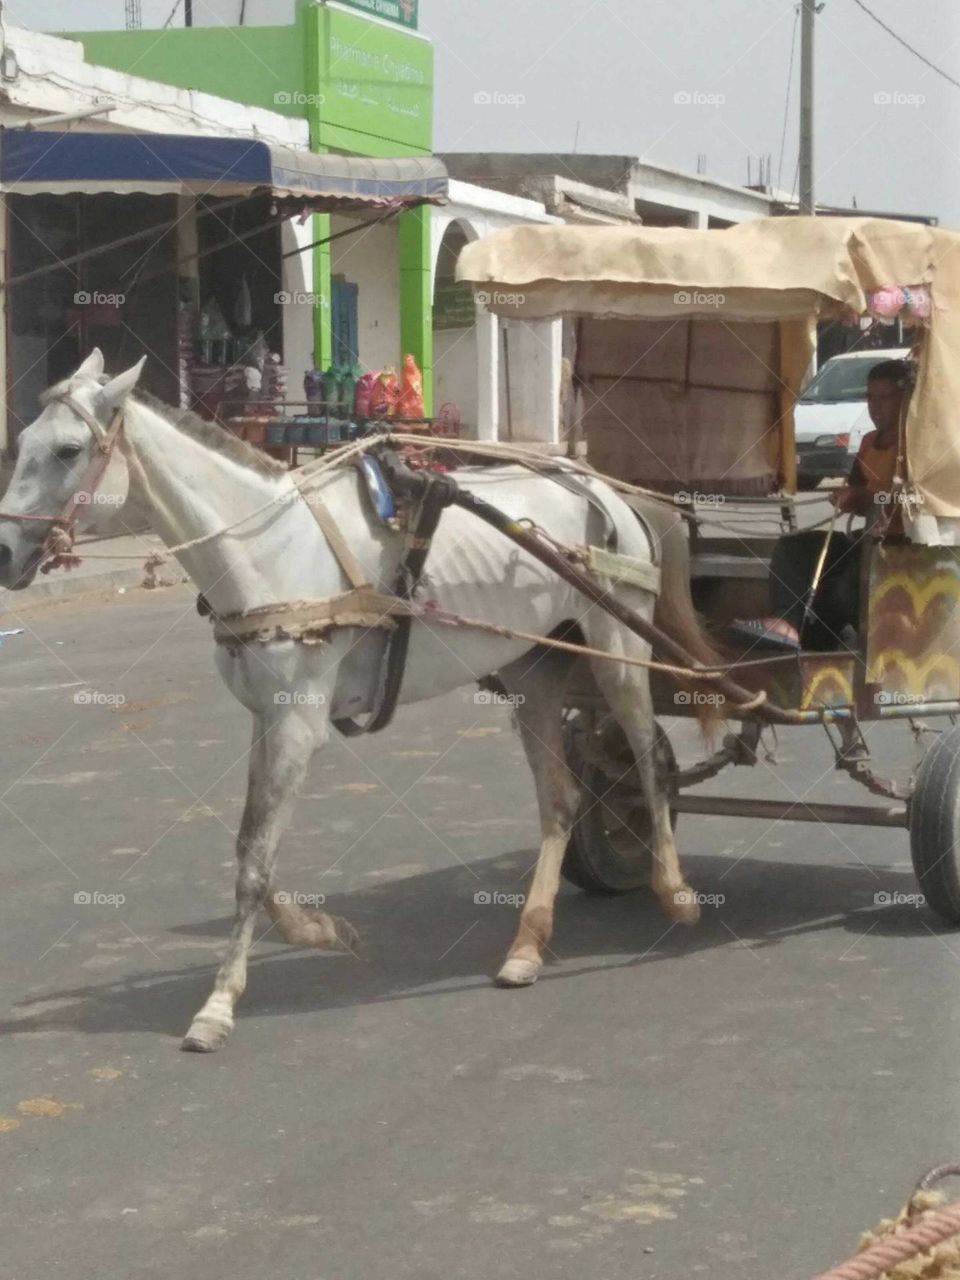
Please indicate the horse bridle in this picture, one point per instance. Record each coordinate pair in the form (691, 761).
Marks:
(58, 546)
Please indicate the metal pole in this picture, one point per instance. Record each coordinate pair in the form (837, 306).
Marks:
(68, 117)
(188, 13)
(808, 14)
(793, 811)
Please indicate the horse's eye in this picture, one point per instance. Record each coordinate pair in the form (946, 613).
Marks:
(67, 452)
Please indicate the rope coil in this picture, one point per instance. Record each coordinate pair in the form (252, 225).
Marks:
(922, 1243)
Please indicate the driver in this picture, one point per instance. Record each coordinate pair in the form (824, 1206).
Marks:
(795, 557)
(873, 468)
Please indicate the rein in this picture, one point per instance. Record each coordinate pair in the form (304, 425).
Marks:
(58, 544)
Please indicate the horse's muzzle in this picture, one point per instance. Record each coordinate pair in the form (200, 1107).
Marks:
(18, 572)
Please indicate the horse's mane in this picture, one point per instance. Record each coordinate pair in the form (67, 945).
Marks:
(209, 434)
(213, 436)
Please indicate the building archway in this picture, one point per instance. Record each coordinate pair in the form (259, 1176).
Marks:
(455, 369)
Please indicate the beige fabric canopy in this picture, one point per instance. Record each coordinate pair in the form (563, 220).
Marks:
(791, 270)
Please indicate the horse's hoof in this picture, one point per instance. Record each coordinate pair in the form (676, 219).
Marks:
(519, 973)
(347, 936)
(205, 1036)
(682, 906)
(329, 933)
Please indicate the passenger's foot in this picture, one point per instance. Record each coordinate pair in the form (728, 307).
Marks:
(767, 633)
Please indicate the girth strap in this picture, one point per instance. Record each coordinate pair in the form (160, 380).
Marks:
(309, 620)
(430, 494)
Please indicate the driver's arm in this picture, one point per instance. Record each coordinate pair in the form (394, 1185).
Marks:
(855, 497)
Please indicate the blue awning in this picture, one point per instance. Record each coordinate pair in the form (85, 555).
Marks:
(39, 162)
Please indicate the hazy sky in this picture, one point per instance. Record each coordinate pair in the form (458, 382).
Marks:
(888, 128)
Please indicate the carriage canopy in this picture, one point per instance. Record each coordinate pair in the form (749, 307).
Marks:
(693, 345)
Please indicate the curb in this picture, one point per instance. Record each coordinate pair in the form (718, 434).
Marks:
(68, 586)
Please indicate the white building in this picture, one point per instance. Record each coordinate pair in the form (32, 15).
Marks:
(658, 195)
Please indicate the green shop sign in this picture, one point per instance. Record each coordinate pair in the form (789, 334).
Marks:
(453, 306)
(376, 87)
(402, 11)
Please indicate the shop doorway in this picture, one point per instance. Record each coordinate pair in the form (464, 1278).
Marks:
(123, 300)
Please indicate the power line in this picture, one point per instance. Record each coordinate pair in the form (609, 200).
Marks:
(909, 47)
(173, 12)
(786, 101)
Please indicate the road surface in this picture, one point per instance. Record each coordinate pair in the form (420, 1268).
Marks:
(733, 1101)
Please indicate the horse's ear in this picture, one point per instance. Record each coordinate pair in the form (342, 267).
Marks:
(92, 367)
(117, 389)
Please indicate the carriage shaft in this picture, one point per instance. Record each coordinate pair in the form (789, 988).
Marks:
(793, 810)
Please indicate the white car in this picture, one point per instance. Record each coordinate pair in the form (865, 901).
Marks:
(831, 417)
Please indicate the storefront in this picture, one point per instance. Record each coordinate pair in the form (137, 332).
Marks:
(361, 76)
(197, 250)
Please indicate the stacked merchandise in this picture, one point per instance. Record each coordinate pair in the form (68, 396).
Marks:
(274, 389)
(211, 385)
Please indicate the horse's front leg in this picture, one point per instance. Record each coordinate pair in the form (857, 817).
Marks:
(282, 746)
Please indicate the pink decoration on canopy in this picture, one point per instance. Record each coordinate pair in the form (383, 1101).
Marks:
(886, 304)
(919, 302)
(913, 304)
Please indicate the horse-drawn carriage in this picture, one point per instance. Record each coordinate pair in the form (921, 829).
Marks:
(341, 590)
(691, 350)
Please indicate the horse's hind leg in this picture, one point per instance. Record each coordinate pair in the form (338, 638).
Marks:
(279, 755)
(537, 682)
(627, 693)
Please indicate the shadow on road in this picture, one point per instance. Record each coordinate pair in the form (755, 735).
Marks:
(425, 933)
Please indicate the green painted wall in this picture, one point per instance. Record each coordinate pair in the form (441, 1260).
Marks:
(259, 66)
(364, 88)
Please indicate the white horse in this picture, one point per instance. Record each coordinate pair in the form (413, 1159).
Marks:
(191, 478)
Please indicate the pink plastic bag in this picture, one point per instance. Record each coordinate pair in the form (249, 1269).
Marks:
(363, 396)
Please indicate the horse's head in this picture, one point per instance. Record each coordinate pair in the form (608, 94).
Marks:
(54, 459)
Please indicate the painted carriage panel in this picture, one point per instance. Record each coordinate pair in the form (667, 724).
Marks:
(913, 633)
(804, 683)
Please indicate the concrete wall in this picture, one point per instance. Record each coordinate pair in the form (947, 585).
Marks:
(54, 76)
(671, 195)
(468, 363)
(510, 171)
(297, 313)
(693, 199)
(370, 259)
(534, 378)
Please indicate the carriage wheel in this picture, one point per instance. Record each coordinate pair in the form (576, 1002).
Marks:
(611, 844)
(935, 826)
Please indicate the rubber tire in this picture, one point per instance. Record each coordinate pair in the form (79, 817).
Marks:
(591, 862)
(935, 826)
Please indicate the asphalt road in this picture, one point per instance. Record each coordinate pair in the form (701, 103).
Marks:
(733, 1101)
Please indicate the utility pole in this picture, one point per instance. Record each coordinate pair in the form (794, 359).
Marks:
(808, 15)
(188, 13)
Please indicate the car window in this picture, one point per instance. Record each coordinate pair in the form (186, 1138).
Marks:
(840, 382)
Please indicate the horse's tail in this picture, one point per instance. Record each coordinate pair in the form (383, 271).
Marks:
(675, 613)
